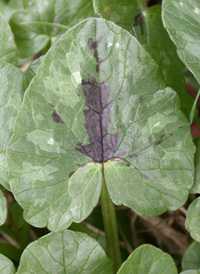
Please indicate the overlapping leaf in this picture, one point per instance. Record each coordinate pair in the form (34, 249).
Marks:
(148, 259)
(31, 38)
(96, 99)
(7, 44)
(125, 13)
(6, 266)
(192, 223)
(196, 186)
(181, 19)
(191, 272)
(3, 208)
(66, 252)
(11, 93)
(191, 258)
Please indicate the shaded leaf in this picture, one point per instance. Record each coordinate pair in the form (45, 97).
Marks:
(6, 266)
(7, 44)
(191, 258)
(148, 259)
(3, 208)
(192, 223)
(181, 19)
(124, 13)
(32, 69)
(79, 112)
(66, 252)
(11, 93)
(30, 38)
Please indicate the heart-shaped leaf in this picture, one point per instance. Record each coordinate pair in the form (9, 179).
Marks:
(181, 19)
(148, 259)
(95, 106)
(125, 13)
(192, 223)
(32, 38)
(11, 93)
(6, 266)
(7, 44)
(65, 252)
(191, 258)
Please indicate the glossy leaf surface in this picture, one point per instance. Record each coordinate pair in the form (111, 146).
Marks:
(66, 252)
(181, 19)
(31, 38)
(96, 99)
(148, 259)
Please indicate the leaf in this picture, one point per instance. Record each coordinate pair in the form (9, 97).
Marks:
(158, 44)
(6, 266)
(66, 252)
(11, 93)
(124, 13)
(32, 69)
(191, 258)
(196, 186)
(148, 259)
(31, 38)
(181, 19)
(11, 7)
(3, 209)
(7, 44)
(59, 131)
(192, 223)
(191, 272)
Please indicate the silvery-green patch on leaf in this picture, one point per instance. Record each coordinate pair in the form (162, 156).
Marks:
(97, 98)
(11, 93)
(181, 19)
(3, 209)
(196, 186)
(148, 259)
(191, 258)
(32, 38)
(124, 13)
(155, 39)
(65, 252)
(6, 266)
(192, 223)
(7, 44)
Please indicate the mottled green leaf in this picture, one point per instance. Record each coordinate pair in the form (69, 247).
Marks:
(148, 259)
(124, 13)
(31, 38)
(191, 258)
(181, 19)
(66, 252)
(196, 186)
(6, 266)
(7, 44)
(192, 223)
(3, 208)
(158, 44)
(95, 98)
(11, 92)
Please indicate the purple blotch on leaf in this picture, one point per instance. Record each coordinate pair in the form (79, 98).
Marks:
(144, 176)
(160, 140)
(97, 120)
(56, 118)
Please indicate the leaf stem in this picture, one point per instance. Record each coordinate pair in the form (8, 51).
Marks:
(59, 26)
(192, 113)
(110, 226)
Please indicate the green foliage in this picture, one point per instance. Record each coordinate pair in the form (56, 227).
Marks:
(98, 120)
